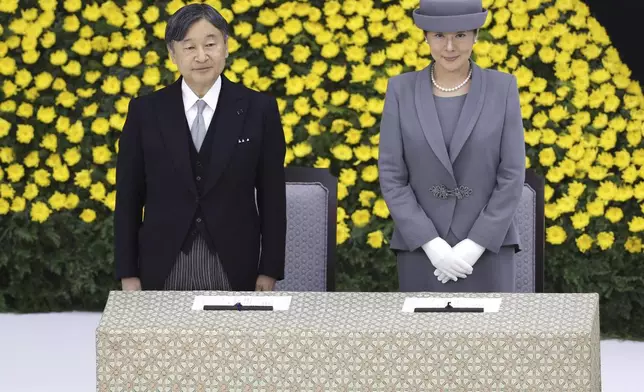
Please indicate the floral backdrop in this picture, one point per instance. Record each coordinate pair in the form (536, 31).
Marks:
(69, 68)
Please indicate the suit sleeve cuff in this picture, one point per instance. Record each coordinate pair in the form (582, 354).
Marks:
(419, 240)
(275, 272)
(484, 241)
(130, 271)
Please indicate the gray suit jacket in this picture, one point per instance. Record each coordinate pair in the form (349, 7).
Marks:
(418, 176)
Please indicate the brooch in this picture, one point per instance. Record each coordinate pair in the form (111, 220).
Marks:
(441, 192)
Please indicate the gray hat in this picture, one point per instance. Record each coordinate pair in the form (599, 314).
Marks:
(445, 16)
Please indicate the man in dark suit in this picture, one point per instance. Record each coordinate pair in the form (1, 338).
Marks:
(201, 200)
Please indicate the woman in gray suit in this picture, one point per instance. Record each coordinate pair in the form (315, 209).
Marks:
(452, 161)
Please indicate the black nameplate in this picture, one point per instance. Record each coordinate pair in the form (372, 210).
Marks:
(448, 310)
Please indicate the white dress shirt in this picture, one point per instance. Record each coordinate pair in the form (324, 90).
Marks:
(190, 102)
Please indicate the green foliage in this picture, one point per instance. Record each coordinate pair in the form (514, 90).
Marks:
(60, 265)
(64, 264)
(582, 114)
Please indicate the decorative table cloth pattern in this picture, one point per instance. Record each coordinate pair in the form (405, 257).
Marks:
(349, 342)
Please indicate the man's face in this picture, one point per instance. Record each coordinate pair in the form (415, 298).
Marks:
(201, 55)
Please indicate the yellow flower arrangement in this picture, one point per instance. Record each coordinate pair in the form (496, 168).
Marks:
(65, 93)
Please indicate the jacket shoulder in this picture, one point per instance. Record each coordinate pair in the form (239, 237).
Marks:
(144, 100)
(499, 78)
(253, 95)
(403, 81)
(238, 89)
(157, 93)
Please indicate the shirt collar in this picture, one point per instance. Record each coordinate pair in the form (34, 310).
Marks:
(190, 98)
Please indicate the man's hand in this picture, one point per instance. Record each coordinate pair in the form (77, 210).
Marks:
(131, 284)
(264, 283)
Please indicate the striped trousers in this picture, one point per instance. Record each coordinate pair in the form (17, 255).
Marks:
(197, 270)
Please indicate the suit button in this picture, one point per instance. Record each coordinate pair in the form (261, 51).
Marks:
(198, 163)
(198, 220)
(198, 178)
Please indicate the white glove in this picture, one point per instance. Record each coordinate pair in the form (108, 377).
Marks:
(469, 251)
(445, 260)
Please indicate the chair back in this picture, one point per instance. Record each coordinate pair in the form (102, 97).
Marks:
(529, 218)
(311, 206)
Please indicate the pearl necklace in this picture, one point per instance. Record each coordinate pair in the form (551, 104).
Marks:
(469, 75)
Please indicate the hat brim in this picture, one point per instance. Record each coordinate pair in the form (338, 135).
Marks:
(450, 24)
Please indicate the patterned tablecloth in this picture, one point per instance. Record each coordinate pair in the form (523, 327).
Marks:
(350, 342)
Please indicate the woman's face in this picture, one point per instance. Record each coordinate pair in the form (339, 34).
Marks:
(451, 51)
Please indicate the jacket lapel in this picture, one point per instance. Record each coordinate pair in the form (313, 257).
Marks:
(426, 110)
(175, 130)
(470, 112)
(227, 124)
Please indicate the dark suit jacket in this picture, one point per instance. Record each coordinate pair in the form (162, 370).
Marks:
(154, 174)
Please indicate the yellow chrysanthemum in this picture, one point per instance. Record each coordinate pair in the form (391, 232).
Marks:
(633, 245)
(584, 242)
(39, 212)
(555, 235)
(375, 239)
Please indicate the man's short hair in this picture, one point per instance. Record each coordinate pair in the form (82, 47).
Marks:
(181, 21)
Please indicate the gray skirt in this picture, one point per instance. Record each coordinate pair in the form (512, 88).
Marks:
(492, 273)
(197, 270)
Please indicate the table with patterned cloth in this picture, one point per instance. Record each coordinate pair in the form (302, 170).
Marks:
(353, 342)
